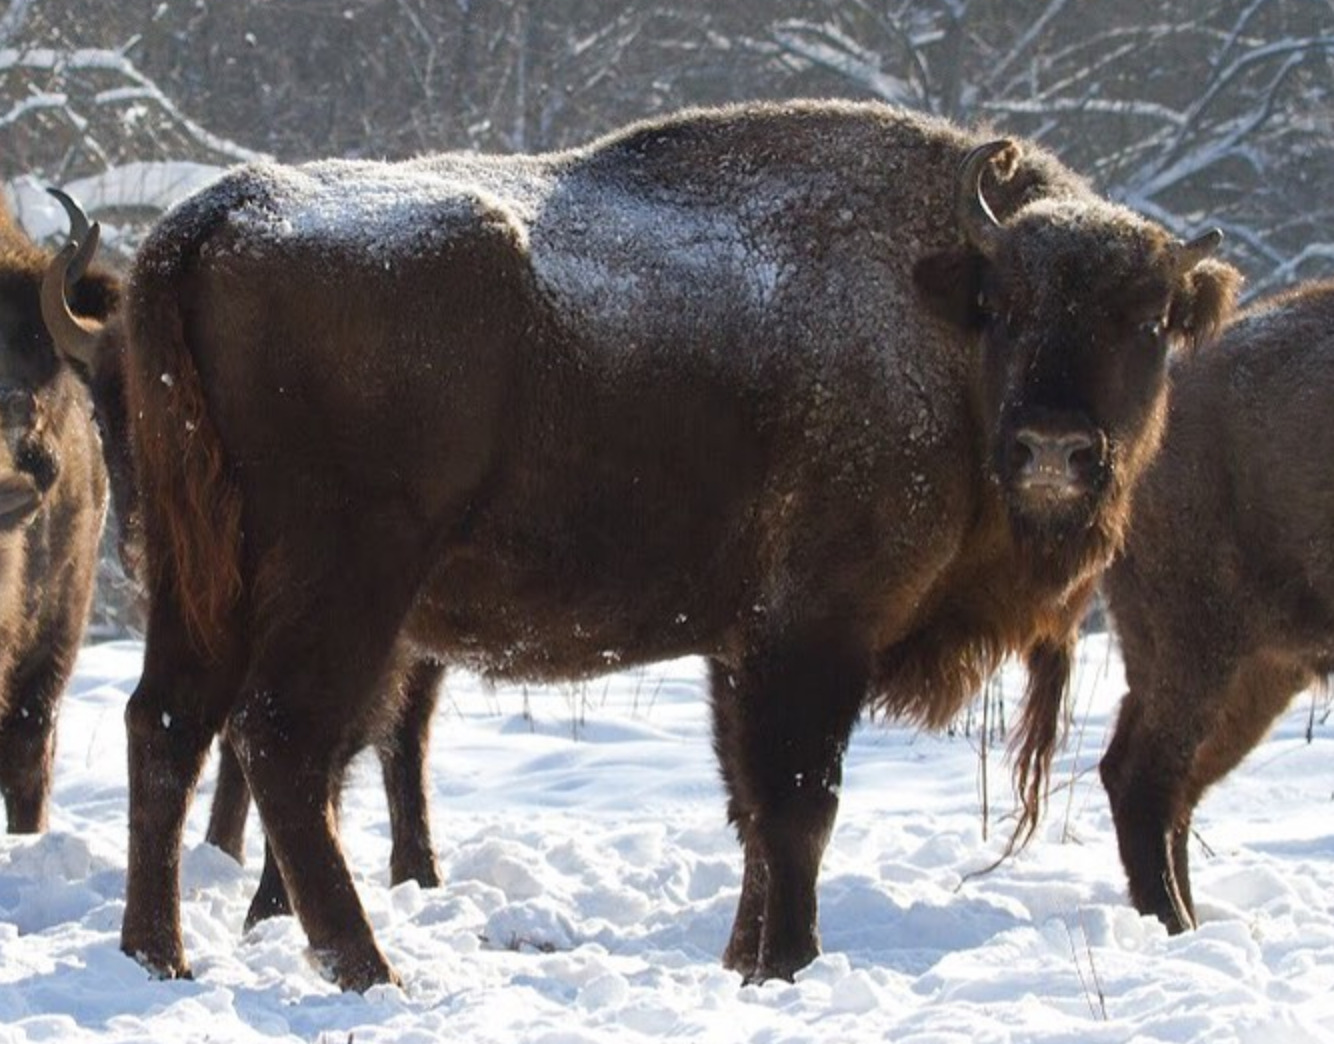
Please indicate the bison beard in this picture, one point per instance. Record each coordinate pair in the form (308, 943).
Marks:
(725, 384)
(1223, 597)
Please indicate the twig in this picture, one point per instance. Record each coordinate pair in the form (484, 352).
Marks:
(1204, 845)
(986, 801)
(1074, 956)
(1093, 972)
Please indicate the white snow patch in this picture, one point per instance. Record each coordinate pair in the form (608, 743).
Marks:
(591, 884)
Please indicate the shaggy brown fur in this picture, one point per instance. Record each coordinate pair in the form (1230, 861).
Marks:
(95, 349)
(52, 504)
(1223, 597)
(768, 384)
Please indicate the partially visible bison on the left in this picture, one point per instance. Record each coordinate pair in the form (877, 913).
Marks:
(53, 497)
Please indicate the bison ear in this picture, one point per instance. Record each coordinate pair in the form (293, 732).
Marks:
(95, 295)
(950, 283)
(1204, 301)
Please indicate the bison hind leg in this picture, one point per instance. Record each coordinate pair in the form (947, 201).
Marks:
(176, 709)
(782, 718)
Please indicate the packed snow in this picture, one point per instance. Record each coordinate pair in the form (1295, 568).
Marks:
(591, 879)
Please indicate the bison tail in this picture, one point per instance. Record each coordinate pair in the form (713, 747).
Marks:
(1049, 667)
(190, 506)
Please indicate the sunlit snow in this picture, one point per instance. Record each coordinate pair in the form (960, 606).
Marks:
(591, 880)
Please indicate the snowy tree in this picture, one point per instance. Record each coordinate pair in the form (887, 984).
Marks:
(1208, 111)
(1193, 111)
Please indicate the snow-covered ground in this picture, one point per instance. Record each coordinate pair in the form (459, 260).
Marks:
(591, 880)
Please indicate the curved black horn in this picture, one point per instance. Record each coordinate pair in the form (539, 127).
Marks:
(75, 338)
(78, 233)
(1196, 250)
(976, 219)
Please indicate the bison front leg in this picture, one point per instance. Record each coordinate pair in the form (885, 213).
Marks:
(270, 898)
(28, 730)
(781, 724)
(403, 762)
(27, 751)
(1144, 773)
(231, 805)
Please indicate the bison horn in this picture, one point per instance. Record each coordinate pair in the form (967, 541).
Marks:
(979, 224)
(1192, 253)
(74, 337)
(78, 233)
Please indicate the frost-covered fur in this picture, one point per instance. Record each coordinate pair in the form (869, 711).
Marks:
(1223, 597)
(736, 383)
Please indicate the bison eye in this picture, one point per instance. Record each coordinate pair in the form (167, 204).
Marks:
(1154, 330)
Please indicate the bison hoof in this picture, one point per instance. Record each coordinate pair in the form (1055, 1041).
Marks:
(266, 905)
(782, 966)
(422, 869)
(743, 966)
(354, 974)
(160, 967)
(754, 970)
(768, 972)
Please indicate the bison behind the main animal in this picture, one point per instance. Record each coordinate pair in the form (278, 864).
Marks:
(53, 493)
(1223, 597)
(769, 384)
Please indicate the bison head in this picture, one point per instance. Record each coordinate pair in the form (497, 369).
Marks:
(31, 371)
(1076, 304)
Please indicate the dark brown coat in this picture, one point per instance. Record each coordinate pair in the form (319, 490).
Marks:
(767, 384)
(53, 493)
(95, 349)
(1223, 597)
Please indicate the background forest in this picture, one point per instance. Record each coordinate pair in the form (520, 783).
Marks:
(1195, 112)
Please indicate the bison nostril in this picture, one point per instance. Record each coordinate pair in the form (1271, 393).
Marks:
(1084, 456)
(1024, 453)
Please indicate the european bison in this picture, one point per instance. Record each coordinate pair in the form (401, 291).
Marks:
(1223, 597)
(847, 400)
(95, 348)
(53, 493)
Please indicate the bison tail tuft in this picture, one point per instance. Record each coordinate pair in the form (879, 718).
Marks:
(190, 505)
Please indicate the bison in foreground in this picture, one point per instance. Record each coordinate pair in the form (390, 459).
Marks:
(847, 400)
(95, 348)
(53, 495)
(1223, 597)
